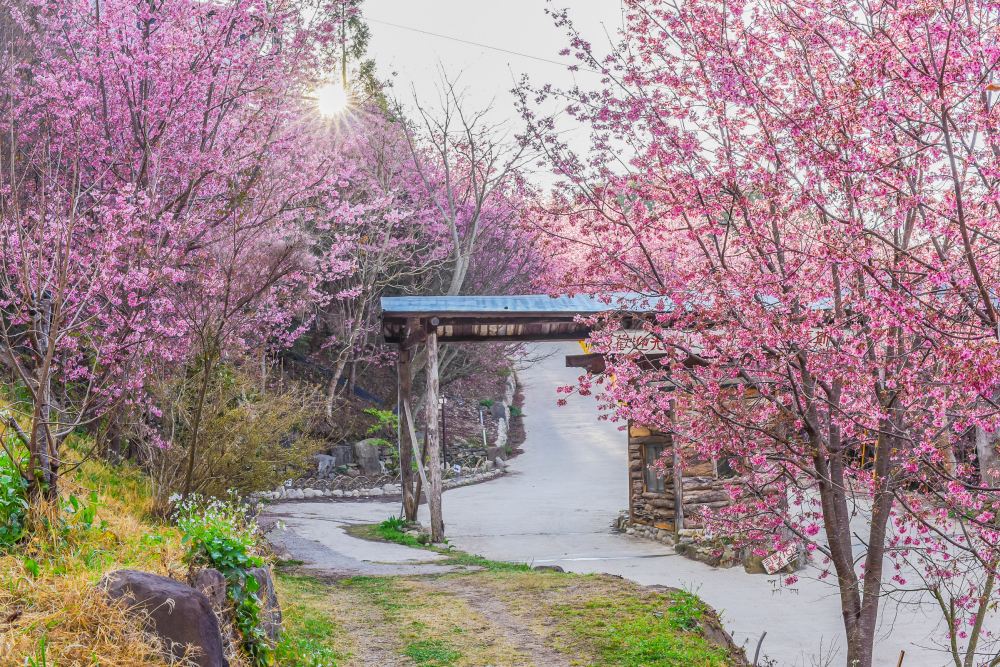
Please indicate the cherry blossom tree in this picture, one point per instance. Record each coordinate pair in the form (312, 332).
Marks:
(805, 194)
(379, 234)
(142, 142)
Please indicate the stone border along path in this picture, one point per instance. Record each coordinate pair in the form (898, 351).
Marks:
(556, 505)
(388, 491)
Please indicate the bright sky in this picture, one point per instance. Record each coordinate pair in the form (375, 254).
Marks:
(487, 75)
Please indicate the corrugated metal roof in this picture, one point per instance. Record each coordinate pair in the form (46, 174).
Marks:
(524, 304)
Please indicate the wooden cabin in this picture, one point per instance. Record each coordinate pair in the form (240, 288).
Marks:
(652, 495)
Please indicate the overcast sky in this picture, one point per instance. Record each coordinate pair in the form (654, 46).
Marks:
(487, 74)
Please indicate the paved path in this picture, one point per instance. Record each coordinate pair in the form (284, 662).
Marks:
(556, 507)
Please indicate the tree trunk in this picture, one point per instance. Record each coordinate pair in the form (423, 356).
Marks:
(331, 389)
(196, 427)
(433, 441)
(678, 475)
(42, 449)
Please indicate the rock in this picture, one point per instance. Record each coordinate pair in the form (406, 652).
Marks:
(375, 493)
(490, 465)
(548, 568)
(502, 434)
(213, 585)
(493, 453)
(325, 465)
(499, 410)
(390, 489)
(367, 455)
(500, 463)
(338, 493)
(180, 615)
(270, 609)
(353, 472)
(342, 455)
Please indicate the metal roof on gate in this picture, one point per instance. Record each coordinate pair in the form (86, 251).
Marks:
(502, 318)
(526, 304)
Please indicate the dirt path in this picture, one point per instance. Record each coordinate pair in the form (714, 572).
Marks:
(366, 626)
(511, 627)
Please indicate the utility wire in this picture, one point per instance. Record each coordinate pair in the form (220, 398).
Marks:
(484, 46)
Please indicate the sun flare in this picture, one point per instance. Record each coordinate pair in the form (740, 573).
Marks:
(332, 100)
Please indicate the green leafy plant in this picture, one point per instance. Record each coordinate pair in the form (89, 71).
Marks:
(486, 402)
(218, 534)
(385, 421)
(516, 411)
(82, 514)
(31, 565)
(394, 523)
(13, 494)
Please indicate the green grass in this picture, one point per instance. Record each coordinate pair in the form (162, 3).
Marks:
(309, 633)
(471, 560)
(383, 592)
(432, 653)
(392, 530)
(648, 631)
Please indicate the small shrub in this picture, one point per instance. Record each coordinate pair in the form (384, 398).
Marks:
(250, 440)
(394, 523)
(486, 402)
(219, 534)
(516, 411)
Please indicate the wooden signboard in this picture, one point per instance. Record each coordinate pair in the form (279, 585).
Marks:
(780, 559)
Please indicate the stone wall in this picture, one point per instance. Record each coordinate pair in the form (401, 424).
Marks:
(701, 487)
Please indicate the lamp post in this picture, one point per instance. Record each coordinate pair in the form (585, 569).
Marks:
(442, 402)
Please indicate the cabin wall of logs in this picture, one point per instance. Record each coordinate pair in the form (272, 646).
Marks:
(652, 495)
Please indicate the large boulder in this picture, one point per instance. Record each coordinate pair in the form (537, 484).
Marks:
(367, 456)
(180, 615)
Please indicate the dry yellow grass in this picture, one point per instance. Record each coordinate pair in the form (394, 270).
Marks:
(49, 603)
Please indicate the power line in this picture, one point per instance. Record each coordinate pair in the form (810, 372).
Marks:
(484, 46)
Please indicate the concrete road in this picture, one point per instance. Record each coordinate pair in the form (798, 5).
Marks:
(558, 503)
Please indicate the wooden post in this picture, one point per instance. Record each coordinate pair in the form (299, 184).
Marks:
(433, 438)
(407, 478)
(678, 475)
